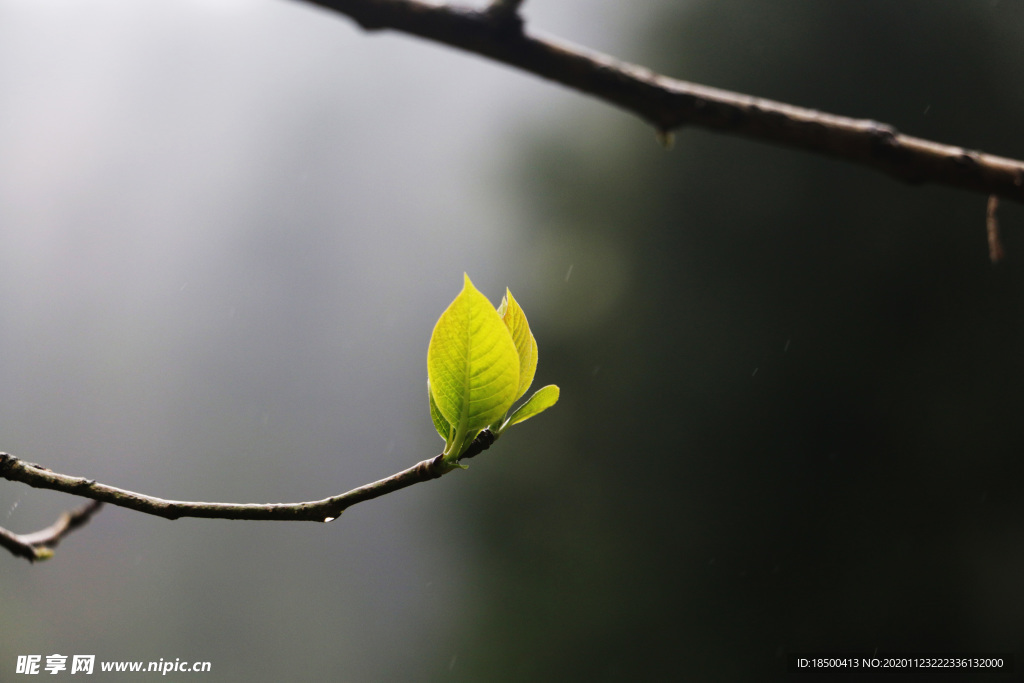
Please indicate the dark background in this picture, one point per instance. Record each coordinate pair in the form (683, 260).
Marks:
(790, 387)
(797, 427)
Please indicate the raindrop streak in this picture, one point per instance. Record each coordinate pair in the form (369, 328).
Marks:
(569, 272)
(754, 372)
(786, 347)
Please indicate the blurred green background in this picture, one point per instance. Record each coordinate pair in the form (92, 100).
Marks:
(790, 387)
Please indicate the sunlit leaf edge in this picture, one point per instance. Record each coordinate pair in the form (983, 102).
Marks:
(542, 399)
(526, 345)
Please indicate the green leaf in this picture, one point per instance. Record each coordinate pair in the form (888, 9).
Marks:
(542, 399)
(526, 344)
(472, 367)
(440, 424)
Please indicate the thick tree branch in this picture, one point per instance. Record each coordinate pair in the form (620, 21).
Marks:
(497, 33)
(40, 545)
(325, 510)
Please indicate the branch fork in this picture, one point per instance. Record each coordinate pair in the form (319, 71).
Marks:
(39, 545)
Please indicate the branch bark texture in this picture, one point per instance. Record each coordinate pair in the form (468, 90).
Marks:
(667, 103)
(325, 510)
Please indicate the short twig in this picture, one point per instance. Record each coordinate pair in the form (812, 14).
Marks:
(505, 8)
(995, 245)
(40, 545)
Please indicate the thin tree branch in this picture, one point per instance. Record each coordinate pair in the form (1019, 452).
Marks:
(668, 103)
(325, 510)
(40, 545)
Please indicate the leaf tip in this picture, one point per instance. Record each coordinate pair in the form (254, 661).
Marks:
(542, 399)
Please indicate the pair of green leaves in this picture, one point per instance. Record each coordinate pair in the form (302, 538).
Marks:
(480, 361)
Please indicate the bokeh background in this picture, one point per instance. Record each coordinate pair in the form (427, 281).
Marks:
(791, 388)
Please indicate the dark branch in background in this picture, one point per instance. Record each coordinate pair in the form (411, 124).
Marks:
(40, 545)
(995, 245)
(497, 33)
(35, 546)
